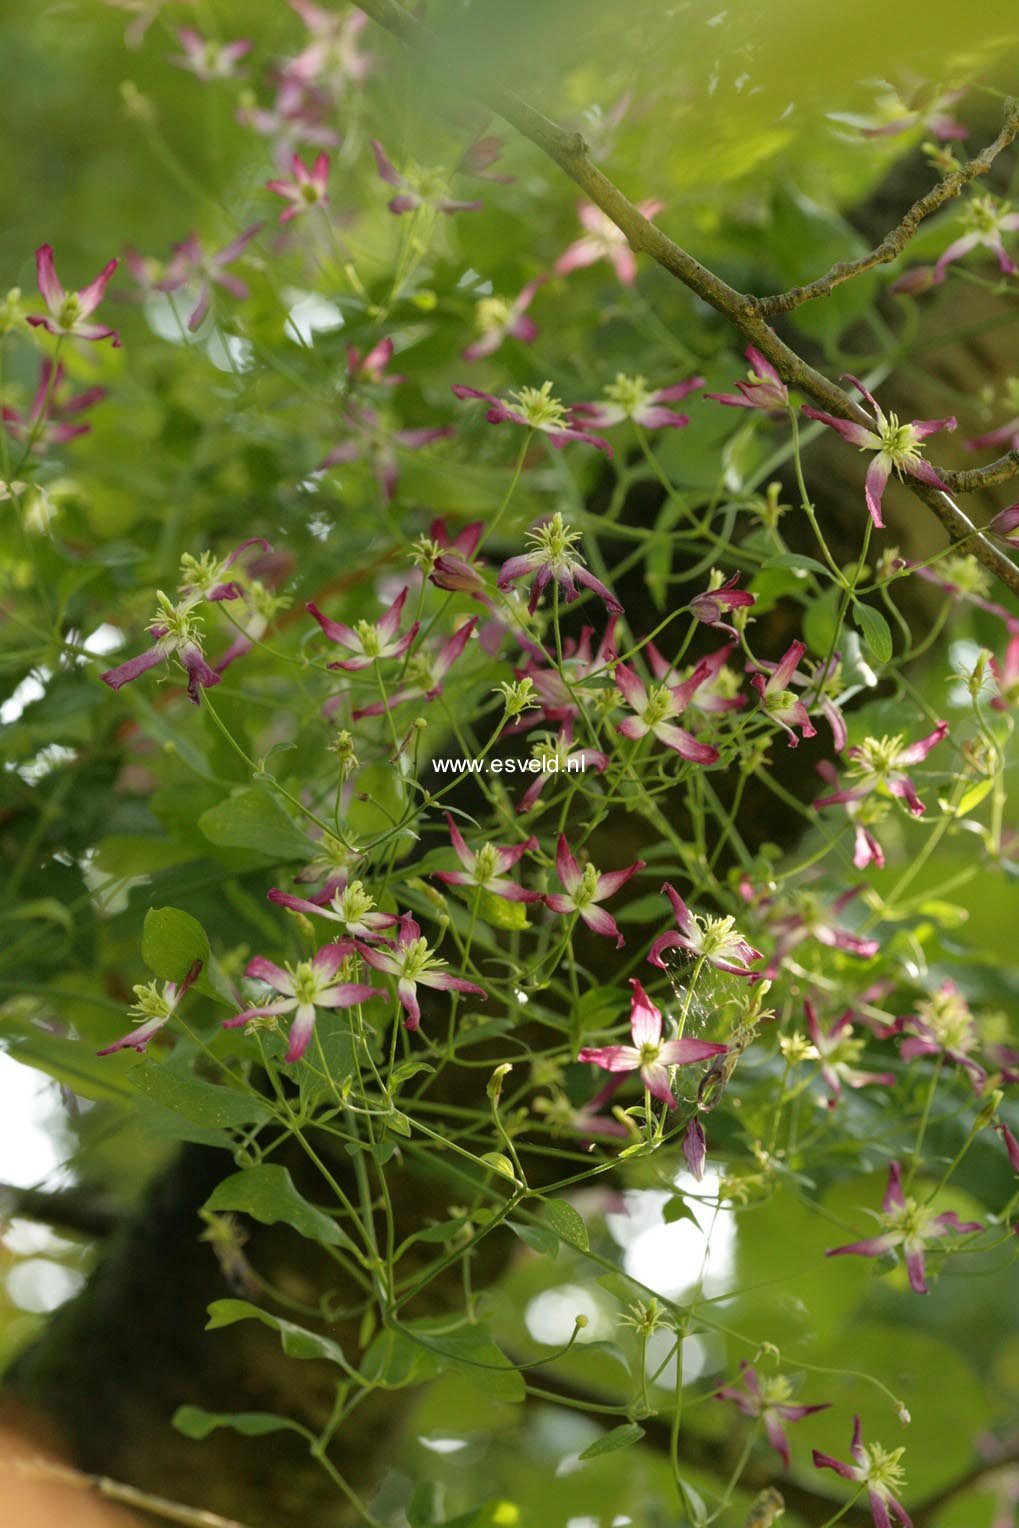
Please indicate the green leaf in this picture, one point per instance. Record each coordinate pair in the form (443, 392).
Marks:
(471, 1352)
(502, 914)
(171, 943)
(624, 1436)
(267, 1193)
(500, 1164)
(193, 1422)
(203, 1103)
(876, 631)
(799, 564)
(254, 819)
(568, 1222)
(677, 1209)
(296, 1341)
(539, 1238)
(694, 1504)
(820, 621)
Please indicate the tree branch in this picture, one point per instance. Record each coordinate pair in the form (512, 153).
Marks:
(569, 151)
(895, 242)
(128, 1496)
(69, 1209)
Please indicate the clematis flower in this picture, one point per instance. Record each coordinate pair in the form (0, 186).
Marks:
(371, 439)
(299, 115)
(1011, 1145)
(824, 683)
(333, 55)
(208, 577)
(1006, 677)
(536, 409)
(655, 709)
(881, 764)
(486, 867)
(988, 219)
(876, 1468)
(898, 447)
(500, 319)
(779, 702)
(649, 1054)
(1005, 526)
(369, 641)
(717, 691)
(305, 190)
(866, 849)
(155, 1009)
(631, 398)
(331, 866)
(584, 889)
(554, 556)
(418, 187)
(349, 905)
(809, 919)
(908, 1225)
(943, 1026)
(177, 631)
(763, 388)
(50, 420)
(144, 13)
(560, 756)
(695, 1148)
(838, 1051)
(915, 103)
(711, 605)
(304, 988)
(581, 665)
(479, 157)
(964, 578)
(412, 962)
(207, 59)
(768, 1399)
(602, 240)
(68, 311)
(261, 604)
(716, 940)
(1006, 436)
(425, 673)
(190, 264)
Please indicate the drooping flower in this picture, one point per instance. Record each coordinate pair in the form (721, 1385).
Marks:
(155, 1009)
(369, 641)
(1011, 1145)
(304, 988)
(536, 408)
(881, 764)
(808, 918)
(499, 319)
(51, 420)
(190, 264)
(413, 963)
(479, 157)
(1006, 436)
(866, 849)
(899, 447)
(305, 190)
(69, 311)
(559, 756)
(418, 187)
(486, 867)
(768, 1399)
(716, 940)
(208, 59)
(331, 866)
(909, 1225)
(779, 702)
(763, 388)
(655, 709)
(649, 1054)
(876, 1468)
(988, 219)
(584, 889)
(554, 556)
(208, 577)
(349, 905)
(695, 1148)
(631, 398)
(1005, 526)
(177, 631)
(913, 103)
(943, 1026)
(602, 240)
(425, 673)
(709, 606)
(838, 1051)
(717, 692)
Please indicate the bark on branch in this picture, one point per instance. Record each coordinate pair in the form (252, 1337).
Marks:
(747, 312)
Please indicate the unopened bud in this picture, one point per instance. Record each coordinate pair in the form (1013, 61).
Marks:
(494, 1086)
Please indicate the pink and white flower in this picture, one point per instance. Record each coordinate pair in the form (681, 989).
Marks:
(371, 438)
(559, 756)
(649, 1054)
(369, 641)
(536, 408)
(878, 1470)
(880, 764)
(332, 56)
(554, 556)
(306, 189)
(715, 940)
(51, 420)
(584, 889)
(866, 849)
(425, 673)
(838, 1051)
(989, 219)
(809, 918)
(709, 606)
(899, 447)
(418, 187)
(943, 1026)
(781, 703)
(631, 398)
(655, 710)
(768, 1399)
(209, 577)
(1006, 677)
(189, 264)
(155, 1009)
(602, 240)
(486, 868)
(349, 905)
(763, 388)
(716, 693)
(500, 319)
(178, 632)
(304, 988)
(909, 1225)
(412, 962)
(208, 59)
(68, 312)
